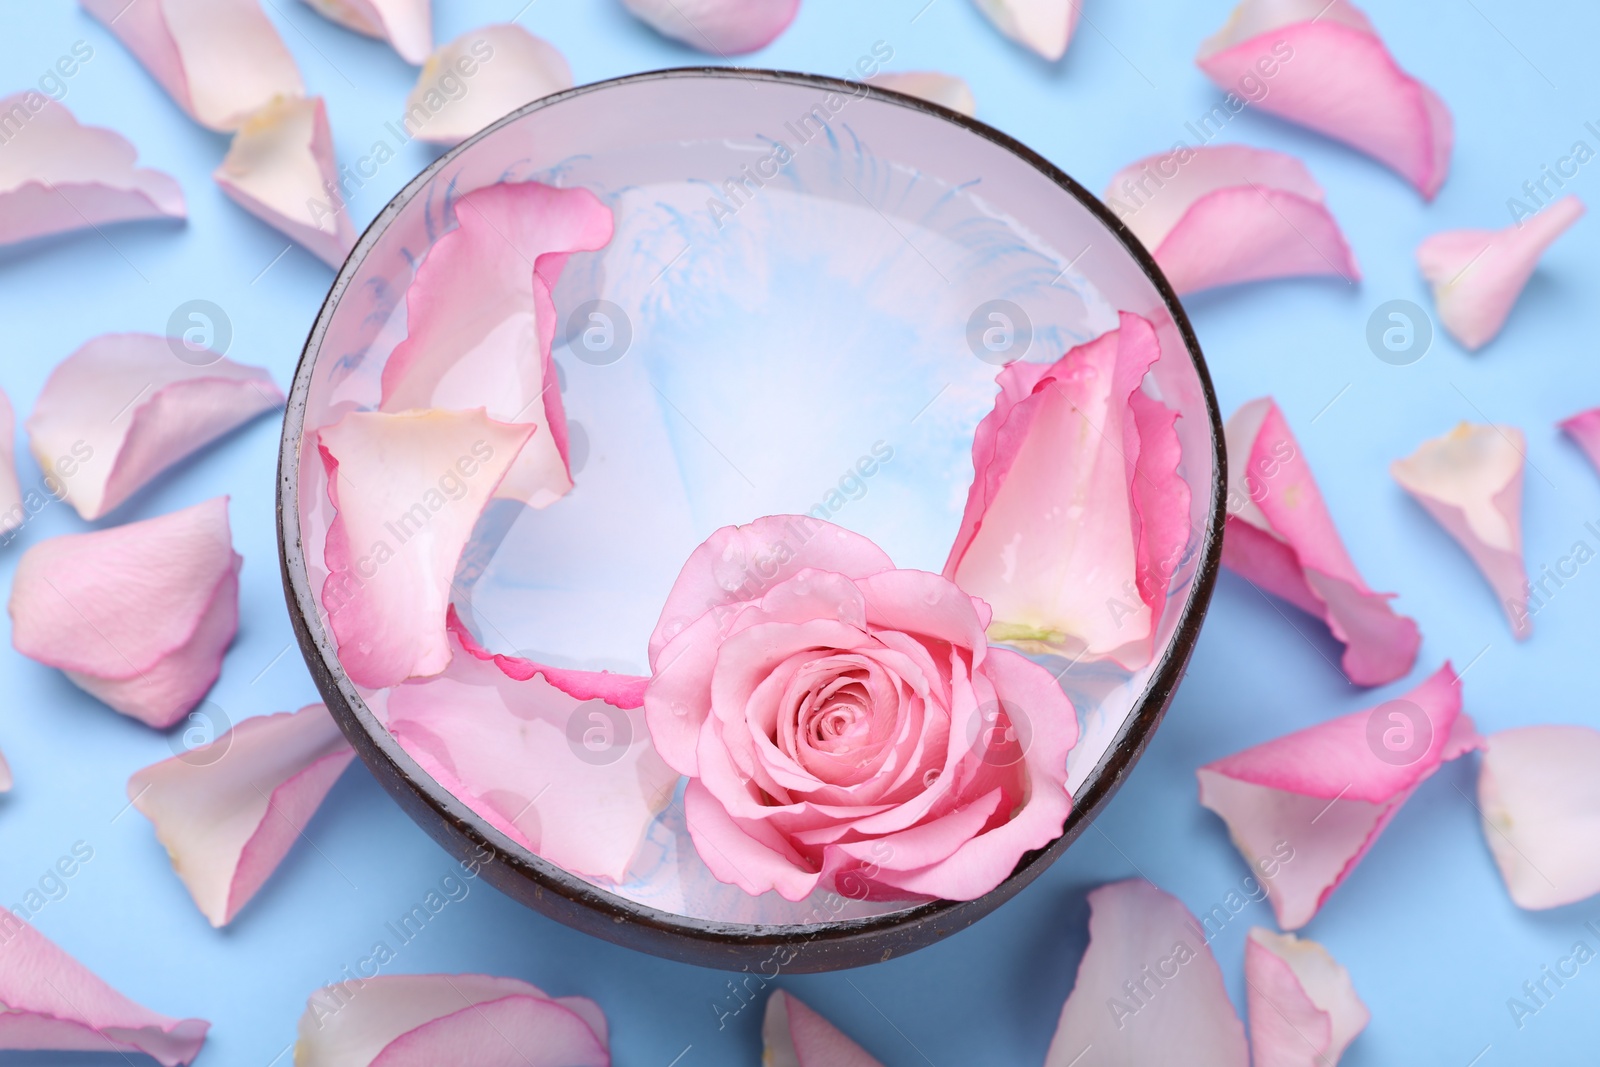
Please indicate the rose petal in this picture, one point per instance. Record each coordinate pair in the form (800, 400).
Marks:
(723, 27)
(221, 61)
(422, 1020)
(57, 176)
(405, 24)
(53, 1003)
(138, 616)
(1148, 989)
(1077, 512)
(1309, 805)
(481, 321)
(280, 168)
(946, 90)
(126, 406)
(1227, 214)
(12, 513)
(1477, 275)
(1324, 66)
(408, 489)
(1046, 26)
(1539, 792)
(6, 781)
(624, 691)
(793, 1035)
(1279, 536)
(503, 67)
(1470, 481)
(1304, 1012)
(1584, 428)
(228, 813)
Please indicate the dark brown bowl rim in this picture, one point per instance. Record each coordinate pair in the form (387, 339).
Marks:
(553, 891)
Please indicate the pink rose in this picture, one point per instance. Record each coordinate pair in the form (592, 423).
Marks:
(844, 724)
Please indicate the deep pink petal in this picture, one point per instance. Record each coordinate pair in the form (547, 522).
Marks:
(1584, 428)
(1226, 214)
(1045, 26)
(137, 615)
(1281, 537)
(1304, 1012)
(502, 66)
(793, 1035)
(946, 90)
(125, 407)
(721, 27)
(1470, 481)
(12, 513)
(619, 690)
(408, 490)
(221, 61)
(1148, 989)
(282, 170)
(1539, 793)
(405, 24)
(1321, 64)
(52, 1002)
(1477, 275)
(228, 812)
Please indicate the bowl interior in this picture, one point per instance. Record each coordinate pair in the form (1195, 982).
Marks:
(809, 294)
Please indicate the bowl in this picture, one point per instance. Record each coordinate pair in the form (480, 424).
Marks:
(805, 270)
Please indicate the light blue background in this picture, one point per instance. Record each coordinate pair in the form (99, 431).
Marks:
(1432, 941)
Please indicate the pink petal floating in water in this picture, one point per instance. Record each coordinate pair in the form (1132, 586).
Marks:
(793, 1035)
(1304, 1012)
(138, 616)
(481, 76)
(57, 176)
(408, 489)
(12, 513)
(1304, 809)
(126, 406)
(481, 322)
(1470, 481)
(1539, 793)
(1077, 517)
(619, 690)
(1584, 428)
(221, 61)
(281, 169)
(1046, 26)
(405, 24)
(228, 811)
(1477, 275)
(1280, 537)
(1148, 989)
(1228, 214)
(425, 1020)
(51, 1002)
(1320, 63)
(722, 27)
(947, 90)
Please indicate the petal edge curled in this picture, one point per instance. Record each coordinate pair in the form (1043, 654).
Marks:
(405, 24)
(1539, 793)
(507, 67)
(794, 1035)
(1304, 1012)
(722, 27)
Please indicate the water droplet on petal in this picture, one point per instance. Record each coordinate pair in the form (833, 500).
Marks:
(680, 709)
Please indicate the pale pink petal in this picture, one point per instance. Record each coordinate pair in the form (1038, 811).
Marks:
(1227, 214)
(1148, 989)
(1584, 428)
(126, 406)
(1477, 275)
(281, 169)
(722, 27)
(793, 1035)
(481, 322)
(56, 175)
(137, 615)
(220, 60)
(1470, 481)
(1280, 537)
(6, 780)
(576, 780)
(228, 812)
(1303, 809)
(405, 24)
(1077, 513)
(1320, 63)
(1304, 1011)
(946, 90)
(481, 76)
(408, 489)
(1046, 26)
(12, 513)
(1539, 793)
(424, 1020)
(53, 1003)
